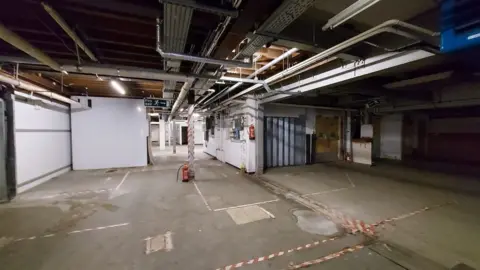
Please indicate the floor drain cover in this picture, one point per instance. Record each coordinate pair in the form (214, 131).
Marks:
(111, 170)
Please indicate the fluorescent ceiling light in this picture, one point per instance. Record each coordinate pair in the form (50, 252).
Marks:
(419, 80)
(181, 109)
(154, 114)
(195, 115)
(348, 13)
(210, 90)
(118, 87)
(220, 82)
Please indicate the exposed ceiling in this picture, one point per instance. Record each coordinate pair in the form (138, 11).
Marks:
(123, 33)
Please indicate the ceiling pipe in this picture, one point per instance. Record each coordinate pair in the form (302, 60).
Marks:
(205, 97)
(21, 44)
(204, 8)
(39, 90)
(191, 58)
(349, 13)
(61, 22)
(381, 28)
(260, 70)
(135, 73)
(243, 80)
(183, 92)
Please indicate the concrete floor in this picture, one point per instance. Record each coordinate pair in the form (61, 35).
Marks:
(101, 219)
(446, 234)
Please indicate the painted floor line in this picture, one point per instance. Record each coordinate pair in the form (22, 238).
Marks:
(407, 215)
(276, 254)
(245, 205)
(123, 180)
(267, 212)
(326, 191)
(201, 195)
(72, 232)
(350, 180)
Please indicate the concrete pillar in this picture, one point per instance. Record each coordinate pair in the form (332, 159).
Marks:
(191, 142)
(161, 134)
(348, 134)
(254, 114)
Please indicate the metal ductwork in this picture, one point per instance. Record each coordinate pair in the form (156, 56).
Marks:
(283, 16)
(204, 8)
(176, 23)
(21, 44)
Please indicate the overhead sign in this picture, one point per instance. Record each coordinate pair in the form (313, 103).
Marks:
(157, 103)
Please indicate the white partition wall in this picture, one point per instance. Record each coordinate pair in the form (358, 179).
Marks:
(42, 142)
(112, 134)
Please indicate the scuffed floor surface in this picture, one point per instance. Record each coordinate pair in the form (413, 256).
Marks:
(142, 218)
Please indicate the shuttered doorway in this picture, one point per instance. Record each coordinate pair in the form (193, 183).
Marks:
(284, 141)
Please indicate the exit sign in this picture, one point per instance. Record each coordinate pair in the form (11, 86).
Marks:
(157, 103)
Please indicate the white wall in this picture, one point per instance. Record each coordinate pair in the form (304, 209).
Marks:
(155, 131)
(391, 136)
(42, 142)
(110, 135)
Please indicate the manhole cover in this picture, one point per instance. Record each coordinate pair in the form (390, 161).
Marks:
(316, 223)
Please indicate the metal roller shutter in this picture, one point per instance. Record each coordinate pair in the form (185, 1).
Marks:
(284, 141)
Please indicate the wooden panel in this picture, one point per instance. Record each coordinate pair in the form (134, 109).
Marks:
(326, 129)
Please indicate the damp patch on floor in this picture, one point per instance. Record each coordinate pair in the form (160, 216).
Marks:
(316, 223)
(248, 214)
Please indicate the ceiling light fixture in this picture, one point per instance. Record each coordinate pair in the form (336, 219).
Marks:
(348, 13)
(181, 109)
(118, 87)
(210, 90)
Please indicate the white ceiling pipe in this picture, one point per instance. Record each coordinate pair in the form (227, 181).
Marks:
(260, 70)
(243, 80)
(132, 72)
(381, 28)
(21, 44)
(348, 13)
(205, 97)
(39, 90)
(60, 21)
(183, 92)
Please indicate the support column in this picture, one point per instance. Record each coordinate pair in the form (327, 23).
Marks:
(348, 135)
(174, 136)
(191, 143)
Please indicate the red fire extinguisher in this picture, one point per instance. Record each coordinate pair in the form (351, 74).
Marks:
(251, 132)
(185, 177)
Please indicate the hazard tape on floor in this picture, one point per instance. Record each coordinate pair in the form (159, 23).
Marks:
(328, 257)
(275, 255)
